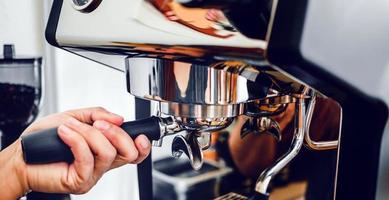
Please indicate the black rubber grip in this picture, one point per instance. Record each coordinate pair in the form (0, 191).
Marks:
(259, 196)
(47, 147)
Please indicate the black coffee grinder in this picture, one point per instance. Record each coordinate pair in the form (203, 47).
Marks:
(20, 91)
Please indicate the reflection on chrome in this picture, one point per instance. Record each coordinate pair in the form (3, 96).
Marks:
(222, 83)
(158, 26)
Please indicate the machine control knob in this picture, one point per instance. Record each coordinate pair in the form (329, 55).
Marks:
(85, 5)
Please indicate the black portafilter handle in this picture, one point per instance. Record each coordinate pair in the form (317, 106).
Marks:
(47, 147)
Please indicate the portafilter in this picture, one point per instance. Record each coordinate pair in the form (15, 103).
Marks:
(194, 97)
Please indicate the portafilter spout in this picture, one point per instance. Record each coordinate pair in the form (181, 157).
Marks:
(189, 145)
(196, 138)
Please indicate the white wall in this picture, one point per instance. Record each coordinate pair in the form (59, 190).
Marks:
(83, 83)
(21, 23)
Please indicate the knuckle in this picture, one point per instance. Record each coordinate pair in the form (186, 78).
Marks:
(127, 159)
(88, 160)
(99, 109)
(97, 112)
(85, 158)
(109, 155)
(75, 187)
(78, 184)
(89, 130)
(140, 160)
(114, 136)
(132, 156)
(144, 152)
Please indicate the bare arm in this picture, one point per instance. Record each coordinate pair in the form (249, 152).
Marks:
(97, 143)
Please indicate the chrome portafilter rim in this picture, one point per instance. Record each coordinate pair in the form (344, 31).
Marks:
(204, 125)
(200, 118)
(201, 111)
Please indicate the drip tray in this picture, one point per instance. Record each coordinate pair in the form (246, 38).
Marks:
(175, 179)
(232, 196)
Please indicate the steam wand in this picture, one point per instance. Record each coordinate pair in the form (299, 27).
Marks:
(297, 142)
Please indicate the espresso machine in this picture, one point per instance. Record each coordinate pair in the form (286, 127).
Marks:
(203, 63)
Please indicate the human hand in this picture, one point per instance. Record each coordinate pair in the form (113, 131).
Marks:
(97, 143)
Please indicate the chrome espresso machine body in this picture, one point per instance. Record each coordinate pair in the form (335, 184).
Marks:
(257, 58)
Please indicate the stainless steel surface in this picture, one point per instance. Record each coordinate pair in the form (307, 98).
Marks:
(261, 125)
(171, 124)
(201, 111)
(270, 106)
(277, 99)
(197, 137)
(207, 97)
(216, 91)
(323, 145)
(204, 125)
(297, 142)
(189, 145)
(204, 140)
(221, 83)
(267, 124)
(152, 26)
(168, 126)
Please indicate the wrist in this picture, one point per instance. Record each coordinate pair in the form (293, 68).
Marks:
(13, 172)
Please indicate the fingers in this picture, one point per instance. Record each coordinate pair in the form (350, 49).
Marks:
(89, 115)
(129, 152)
(83, 157)
(104, 152)
(143, 145)
(119, 139)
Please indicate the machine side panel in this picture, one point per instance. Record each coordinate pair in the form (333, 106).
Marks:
(364, 116)
(52, 23)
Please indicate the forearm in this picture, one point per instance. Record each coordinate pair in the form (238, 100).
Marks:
(13, 183)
